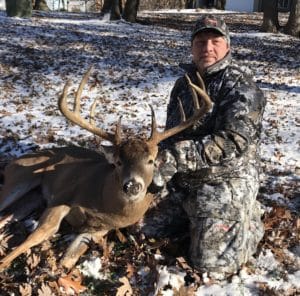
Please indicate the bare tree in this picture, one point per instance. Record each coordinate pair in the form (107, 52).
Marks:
(116, 10)
(20, 8)
(41, 5)
(115, 7)
(130, 10)
(293, 25)
(270, 19)
(190, 4)
(220, 4)
(63, 2)
(106, 6)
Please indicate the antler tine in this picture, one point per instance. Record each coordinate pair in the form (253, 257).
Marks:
(182, 114)
(92, 112)
(193, 91)
(80, 89)
(201, 91)
(201, 82)
(199, 111)
(75, 116)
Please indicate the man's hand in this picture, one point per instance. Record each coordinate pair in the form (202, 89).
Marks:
(183, 157)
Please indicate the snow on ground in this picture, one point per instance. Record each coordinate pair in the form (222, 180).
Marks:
(136, 65)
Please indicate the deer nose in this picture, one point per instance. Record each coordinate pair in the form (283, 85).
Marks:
(132, 187)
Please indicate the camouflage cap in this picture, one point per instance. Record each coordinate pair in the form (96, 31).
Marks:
(211, 22)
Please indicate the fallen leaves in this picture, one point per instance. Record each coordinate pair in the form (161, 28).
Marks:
(125, 289)
(282, 231)
(72, 282)
(25, 290)
(33, 260)
(4, 238)
(45, 290)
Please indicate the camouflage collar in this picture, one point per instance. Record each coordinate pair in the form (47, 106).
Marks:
(220, 65)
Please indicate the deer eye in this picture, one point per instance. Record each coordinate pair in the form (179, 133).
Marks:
(119, 163)
(151, 161)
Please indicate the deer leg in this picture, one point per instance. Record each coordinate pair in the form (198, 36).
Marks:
(48, 225)
(78, 247)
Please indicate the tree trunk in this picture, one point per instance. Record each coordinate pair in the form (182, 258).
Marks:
(106, 6)
(270, 20)
(116, 10)
(220, 4)
(209, 3)
(130, 10)
(293, 25)
(41, 5)
(19, 8)
(190, 4)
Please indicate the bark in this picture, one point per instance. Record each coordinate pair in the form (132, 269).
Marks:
(190, 4)
(41, 5)
(19, 8)
(220, 4)
(106, 6)
(116, 10)
(270, 19)
(130, 10)
(293, 25)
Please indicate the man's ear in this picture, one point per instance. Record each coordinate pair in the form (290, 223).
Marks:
(228, 47)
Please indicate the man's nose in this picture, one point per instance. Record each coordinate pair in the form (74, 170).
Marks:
(208, 45)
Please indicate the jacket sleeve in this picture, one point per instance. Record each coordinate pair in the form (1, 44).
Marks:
(236, 124)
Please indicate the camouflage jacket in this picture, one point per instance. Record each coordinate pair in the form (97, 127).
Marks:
(225, 140)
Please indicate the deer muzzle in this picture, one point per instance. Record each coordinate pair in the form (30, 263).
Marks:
(133, 187)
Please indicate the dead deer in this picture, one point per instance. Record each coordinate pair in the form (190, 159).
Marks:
(83, 186)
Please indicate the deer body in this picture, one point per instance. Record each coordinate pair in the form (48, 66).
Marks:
(82, 186)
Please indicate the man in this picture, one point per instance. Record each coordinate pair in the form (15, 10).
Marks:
(216, 161)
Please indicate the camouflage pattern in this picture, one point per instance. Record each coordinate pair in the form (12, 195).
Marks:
(216, 167)
(211, 22)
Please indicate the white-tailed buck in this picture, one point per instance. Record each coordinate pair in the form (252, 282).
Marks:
(82, 186)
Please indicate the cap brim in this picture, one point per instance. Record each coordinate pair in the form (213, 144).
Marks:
(207, 28)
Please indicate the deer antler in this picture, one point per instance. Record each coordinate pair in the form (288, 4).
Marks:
(76, 118)
(199, 111)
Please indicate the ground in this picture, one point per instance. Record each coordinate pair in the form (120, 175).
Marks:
(137, 64)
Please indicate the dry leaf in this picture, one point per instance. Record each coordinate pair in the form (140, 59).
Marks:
(4, 238)
(107, 248)
(5, 220)
(186, 291)
(33, 260)
(297, 223)
(125, 289)
(130, 270)
(25, 290)
(72, 282)
(45, 291)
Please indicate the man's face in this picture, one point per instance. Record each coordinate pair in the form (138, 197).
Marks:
(208, 48)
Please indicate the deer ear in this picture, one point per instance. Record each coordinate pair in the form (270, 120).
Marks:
(109, 153)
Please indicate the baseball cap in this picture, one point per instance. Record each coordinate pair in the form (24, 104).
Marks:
(211, 22)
